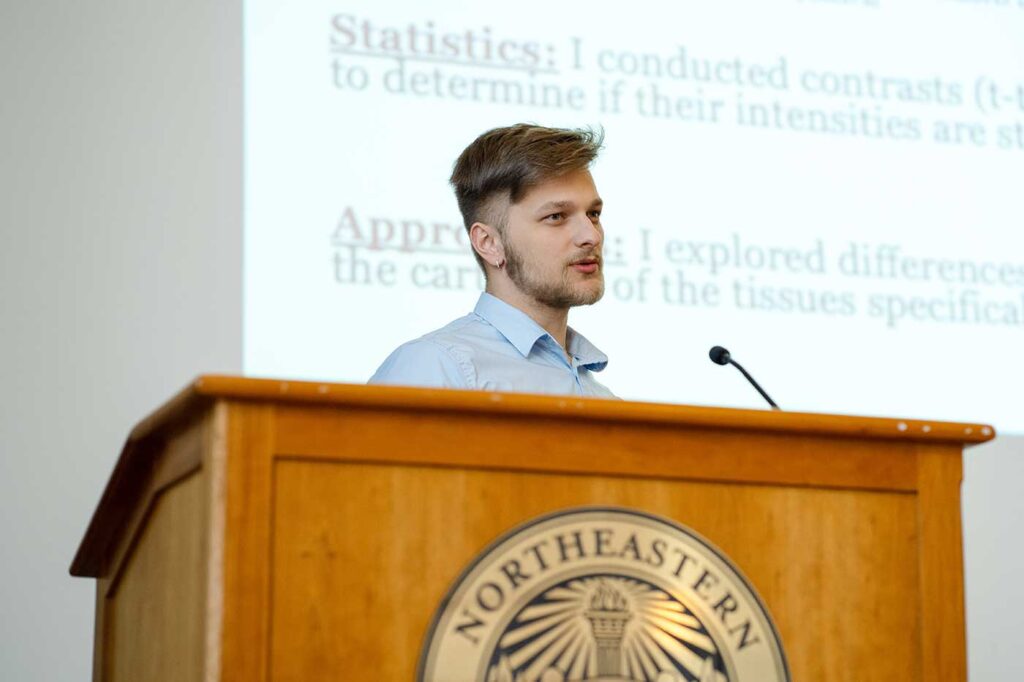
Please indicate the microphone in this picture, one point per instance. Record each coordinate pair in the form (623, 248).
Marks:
(720, 356)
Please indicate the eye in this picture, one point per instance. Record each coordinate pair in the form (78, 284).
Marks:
(554, 217)
(595, 214)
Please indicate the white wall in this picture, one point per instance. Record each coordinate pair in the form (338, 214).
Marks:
(120, 279)
(120, 272)
(993, 524)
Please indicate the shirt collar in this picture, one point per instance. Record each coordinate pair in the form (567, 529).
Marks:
(523, 332)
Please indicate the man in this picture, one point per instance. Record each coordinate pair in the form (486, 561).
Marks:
(534, 220)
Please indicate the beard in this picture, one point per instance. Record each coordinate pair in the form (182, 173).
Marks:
(561, 293)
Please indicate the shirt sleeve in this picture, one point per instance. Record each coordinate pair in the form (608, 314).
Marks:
(423, 363)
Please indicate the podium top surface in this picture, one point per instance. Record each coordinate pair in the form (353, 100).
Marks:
(208, 388)
(136, 461)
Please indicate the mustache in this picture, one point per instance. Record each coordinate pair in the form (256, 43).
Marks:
(587, 257)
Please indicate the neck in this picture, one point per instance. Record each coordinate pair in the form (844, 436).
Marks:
(554, 321)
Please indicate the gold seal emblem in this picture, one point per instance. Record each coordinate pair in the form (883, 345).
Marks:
(604, 594)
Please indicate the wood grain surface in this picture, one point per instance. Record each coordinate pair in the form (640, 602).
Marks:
(154, 613)
(363, 554)
(262, 530)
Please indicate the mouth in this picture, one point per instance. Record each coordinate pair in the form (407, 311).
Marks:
(586, 265)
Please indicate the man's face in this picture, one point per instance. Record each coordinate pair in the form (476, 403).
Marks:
(553, 238)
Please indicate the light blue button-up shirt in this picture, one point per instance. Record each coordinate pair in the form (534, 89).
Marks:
(497, 347)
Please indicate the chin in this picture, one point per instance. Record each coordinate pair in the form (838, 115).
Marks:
(591, 297)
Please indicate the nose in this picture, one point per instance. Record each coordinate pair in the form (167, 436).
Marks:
(589, 233)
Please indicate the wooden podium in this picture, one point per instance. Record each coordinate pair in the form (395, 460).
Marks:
(268, 530)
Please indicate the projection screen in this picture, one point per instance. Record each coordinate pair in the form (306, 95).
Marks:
(832, 190)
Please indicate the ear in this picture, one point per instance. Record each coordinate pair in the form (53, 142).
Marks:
(487, 242)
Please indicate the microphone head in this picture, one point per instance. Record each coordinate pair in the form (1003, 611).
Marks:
(719, 355)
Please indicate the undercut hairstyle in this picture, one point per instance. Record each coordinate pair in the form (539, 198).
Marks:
(503, 164)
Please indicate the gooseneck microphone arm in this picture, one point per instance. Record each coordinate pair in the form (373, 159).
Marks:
(720, 356)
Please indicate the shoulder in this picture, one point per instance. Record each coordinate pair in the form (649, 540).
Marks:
(436, 360)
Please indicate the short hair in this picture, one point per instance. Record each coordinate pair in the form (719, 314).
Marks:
(507, 162)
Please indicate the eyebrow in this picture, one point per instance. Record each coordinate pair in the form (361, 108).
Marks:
(553, 205)
(596, 203)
